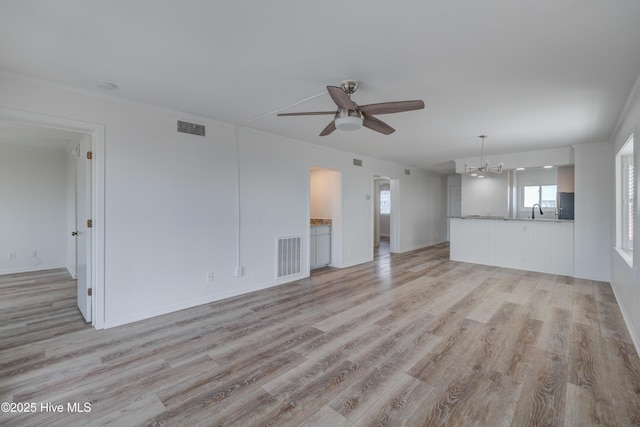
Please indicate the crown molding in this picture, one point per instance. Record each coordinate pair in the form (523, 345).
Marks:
(635, 93)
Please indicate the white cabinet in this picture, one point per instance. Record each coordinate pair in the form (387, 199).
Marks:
(320, 246)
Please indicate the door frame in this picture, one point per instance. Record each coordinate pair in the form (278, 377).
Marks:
(335, 185)
(379, 181)
(394, 216)
(97, 132)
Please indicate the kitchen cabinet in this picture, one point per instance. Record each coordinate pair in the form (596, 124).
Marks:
(320, 246)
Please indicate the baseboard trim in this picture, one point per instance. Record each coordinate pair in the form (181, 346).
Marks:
(353, 263)
(124, 320)
(421, 246)
(627, 321)
(72, 272)
(31, 269)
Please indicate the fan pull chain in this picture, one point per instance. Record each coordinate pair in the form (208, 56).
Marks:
(281, 109)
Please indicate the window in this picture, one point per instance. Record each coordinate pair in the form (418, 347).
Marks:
(385, 202)
(545, 195)
(627, 202)
(625, 196)
(536, 185)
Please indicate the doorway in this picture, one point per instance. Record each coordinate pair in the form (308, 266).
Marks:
(325, 207)
(90, 252)
(382, 217)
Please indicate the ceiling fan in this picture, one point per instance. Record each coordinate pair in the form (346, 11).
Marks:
(351, 116)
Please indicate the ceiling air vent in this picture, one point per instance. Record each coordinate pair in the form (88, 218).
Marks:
(357, 162)
(192, 128)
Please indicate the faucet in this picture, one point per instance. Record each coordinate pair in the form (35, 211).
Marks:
(533, 210)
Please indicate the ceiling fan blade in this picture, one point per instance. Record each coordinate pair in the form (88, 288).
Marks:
(377, 125)
(330, 128)
(391, 107)
(341, 98)
(308, 113)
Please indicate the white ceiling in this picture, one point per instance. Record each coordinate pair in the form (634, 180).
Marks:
(531, 74)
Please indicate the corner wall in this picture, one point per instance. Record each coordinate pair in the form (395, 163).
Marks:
(624, 279)
(33, 196)
(593, 201)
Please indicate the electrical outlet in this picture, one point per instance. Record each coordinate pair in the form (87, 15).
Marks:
(11, 255)
(210, 276)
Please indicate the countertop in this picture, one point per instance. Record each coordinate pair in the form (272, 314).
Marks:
(502, 218)
(315, 222)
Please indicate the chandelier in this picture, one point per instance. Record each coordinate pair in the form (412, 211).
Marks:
(484, 168)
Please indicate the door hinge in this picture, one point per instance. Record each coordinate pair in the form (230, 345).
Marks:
(90, 291)
(89, 155)
(89, 223)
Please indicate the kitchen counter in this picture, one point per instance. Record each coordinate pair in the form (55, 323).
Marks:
(314, 222)
(526, 244)
(502, 218)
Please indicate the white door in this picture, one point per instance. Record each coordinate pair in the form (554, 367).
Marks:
(83, 228)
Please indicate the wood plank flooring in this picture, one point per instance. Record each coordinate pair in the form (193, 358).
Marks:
(409, 339)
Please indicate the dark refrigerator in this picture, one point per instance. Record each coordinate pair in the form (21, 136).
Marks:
(566, 206)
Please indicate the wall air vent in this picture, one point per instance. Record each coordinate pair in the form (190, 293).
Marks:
(357, 162)
(192, 128)
(407, 171)
(288, 256)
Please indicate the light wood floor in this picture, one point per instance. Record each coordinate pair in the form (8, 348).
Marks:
(410, 339)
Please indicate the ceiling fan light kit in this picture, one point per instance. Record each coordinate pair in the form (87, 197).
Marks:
(350, 116)
(484, 169)
(348, 120)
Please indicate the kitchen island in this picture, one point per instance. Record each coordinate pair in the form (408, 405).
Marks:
(543, 245)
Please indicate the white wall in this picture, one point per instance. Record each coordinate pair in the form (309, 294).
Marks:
(385, 224)
(485, 197)
(420, 202)
(624, 279)
(33, 196)
(454, 198)
(592, 207)
(171, 201)
(322, 183)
